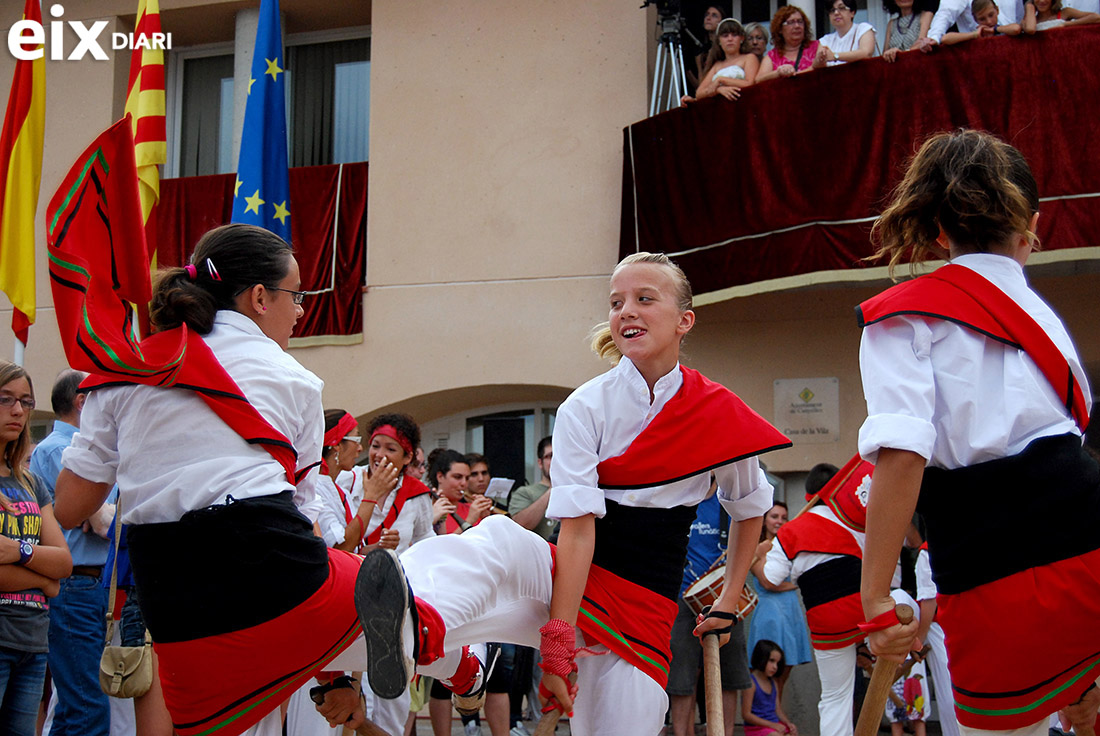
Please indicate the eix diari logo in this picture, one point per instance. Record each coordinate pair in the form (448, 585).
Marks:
(26, 38)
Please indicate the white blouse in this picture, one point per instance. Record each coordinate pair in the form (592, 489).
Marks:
(599, 421)
(170, 453)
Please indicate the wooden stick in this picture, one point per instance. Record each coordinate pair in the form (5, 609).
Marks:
(882, 678)
(712, 681)
(548, 724)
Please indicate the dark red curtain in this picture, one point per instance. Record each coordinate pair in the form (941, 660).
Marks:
(190, 206)
(717, 183)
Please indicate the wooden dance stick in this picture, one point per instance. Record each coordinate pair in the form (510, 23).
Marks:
(882, 678)
(712, 682)
(548, 724)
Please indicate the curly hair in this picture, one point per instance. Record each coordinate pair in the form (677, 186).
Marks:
(403, 423)
(780, 18)
(976, 188)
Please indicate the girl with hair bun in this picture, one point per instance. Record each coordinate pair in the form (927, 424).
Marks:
(633, 453)
(976, 402)
(215, 455)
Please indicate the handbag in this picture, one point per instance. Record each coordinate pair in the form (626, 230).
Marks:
(124, 672)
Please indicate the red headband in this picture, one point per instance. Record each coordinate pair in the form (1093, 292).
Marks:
(390, 431)
(343, 427)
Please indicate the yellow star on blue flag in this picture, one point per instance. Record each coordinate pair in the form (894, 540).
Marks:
(264, 198)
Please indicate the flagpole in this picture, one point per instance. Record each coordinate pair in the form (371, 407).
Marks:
(20, 349)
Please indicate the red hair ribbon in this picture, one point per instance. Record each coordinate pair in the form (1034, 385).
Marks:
(343, 427)
(388, 430)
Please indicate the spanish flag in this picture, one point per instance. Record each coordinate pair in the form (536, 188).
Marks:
(145, 105)
(20, 174)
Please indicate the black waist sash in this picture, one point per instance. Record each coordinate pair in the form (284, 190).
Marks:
(994, 519)
(647, 546)
(830, 581)
(225, 568)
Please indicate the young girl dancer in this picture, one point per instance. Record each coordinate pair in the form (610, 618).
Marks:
(976, 401)
(761, 708)
(633, 450)
(244, 603)
(33, 558)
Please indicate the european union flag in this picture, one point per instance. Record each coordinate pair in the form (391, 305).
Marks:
(261, 195)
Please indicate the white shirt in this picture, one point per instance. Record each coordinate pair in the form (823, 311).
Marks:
(170, 453)
(926, 589)
(599, 421)
(332, 518)
(778, 566)
(1085, 6)
(954, 396)
(957, 12)
(848, 42)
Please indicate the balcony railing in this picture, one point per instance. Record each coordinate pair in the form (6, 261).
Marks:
(780, 188)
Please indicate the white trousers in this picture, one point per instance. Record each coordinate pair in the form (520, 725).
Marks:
(837, 670)
(941, 679)
(493, 583)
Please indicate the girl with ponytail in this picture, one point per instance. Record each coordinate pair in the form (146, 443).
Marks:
(976, 402)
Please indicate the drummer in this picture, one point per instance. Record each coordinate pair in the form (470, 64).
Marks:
(707, 542)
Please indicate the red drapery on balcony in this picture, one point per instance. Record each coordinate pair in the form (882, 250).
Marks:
(191, 206)
(780, 188)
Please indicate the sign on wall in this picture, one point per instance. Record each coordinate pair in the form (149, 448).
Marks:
(808, 409)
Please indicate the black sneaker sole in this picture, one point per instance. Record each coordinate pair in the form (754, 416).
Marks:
(381, 600)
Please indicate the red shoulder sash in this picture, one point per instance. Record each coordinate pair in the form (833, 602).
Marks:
(813, 533)
(704, 426)
(965, 297)
(410, 488)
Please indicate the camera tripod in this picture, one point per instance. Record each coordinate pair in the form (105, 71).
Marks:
(668, 66)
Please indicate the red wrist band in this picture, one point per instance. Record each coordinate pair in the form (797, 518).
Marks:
(880, 622)
(558, 650)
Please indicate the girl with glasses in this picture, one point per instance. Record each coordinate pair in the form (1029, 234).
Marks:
(33, 558)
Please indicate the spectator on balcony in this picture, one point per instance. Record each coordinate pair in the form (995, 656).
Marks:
(1051, 14)
(794, 51)
(986, 15)
(730, 64)
(910, 24)
(850, 41)
(711, 18)
(958, 12)
(757, 35)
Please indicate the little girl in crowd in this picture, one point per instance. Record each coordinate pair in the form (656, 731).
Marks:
(760, 707)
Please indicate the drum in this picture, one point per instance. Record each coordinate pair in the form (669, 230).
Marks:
(706, 589)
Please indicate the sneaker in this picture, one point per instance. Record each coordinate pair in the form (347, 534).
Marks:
(382, 601)
(471, 702)
(473, 728)
(519, 730)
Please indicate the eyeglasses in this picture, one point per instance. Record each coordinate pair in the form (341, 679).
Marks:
(794, 22)
(299, 296)
(9, 401)
(352, 437)
(839, 9)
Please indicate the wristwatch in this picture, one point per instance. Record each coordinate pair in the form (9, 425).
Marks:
(26, 551)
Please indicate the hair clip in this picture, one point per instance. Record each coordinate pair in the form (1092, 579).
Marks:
(213, 271)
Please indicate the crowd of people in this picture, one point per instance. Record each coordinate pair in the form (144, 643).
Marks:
(287, 581)
(739, 56)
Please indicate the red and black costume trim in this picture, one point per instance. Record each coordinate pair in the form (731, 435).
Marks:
(629, 600)
(829, 590)
(244, 604)
(996, 581)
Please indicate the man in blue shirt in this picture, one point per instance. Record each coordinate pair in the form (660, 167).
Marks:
(78, 613)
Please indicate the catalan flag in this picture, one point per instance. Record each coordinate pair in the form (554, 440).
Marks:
(145, 105)
(20, 174)
(262, 192)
